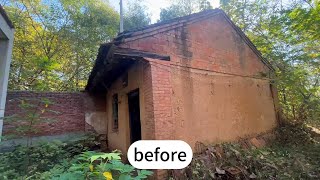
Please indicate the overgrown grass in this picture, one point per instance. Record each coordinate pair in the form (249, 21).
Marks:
(74, 160)
(295, 154)
(26, 161)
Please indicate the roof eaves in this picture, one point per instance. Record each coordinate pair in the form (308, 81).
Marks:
(139, 54)
(112, 59)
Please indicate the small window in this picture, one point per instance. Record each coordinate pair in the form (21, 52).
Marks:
(115, 112)
(125, 80)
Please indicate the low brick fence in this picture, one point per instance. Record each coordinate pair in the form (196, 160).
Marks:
(65, 112)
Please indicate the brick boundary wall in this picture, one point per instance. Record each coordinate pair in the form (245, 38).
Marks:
(66, 113)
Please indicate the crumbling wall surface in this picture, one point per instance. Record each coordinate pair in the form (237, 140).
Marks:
(138, 78)
(220, 86)
(65, 112)
(94, 108)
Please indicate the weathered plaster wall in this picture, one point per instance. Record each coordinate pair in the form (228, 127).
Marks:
(137, 79)
(209, 107)
(220, 88)
(94, 108)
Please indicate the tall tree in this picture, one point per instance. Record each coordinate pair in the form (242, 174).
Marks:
(171, 12)
(204, 5)
(56, 42)
(92, 23)
(136, 15)
(180, 8)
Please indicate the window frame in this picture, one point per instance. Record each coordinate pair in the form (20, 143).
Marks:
(115, 112)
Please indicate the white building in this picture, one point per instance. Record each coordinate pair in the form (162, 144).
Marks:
(6, 43)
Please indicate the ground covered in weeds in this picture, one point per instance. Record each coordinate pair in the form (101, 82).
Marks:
(294, 154)
(29, 162)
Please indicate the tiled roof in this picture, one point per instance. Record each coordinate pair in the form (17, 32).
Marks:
(112, 61)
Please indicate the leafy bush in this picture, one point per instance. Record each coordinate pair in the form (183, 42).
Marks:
(32, 112)
(25, 161)
(68, 161)
(95, 165)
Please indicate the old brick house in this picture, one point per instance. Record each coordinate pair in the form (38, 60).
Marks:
(196, 78)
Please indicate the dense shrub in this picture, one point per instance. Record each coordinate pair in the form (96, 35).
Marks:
(68, 161)
(95, 166)
(25, 161)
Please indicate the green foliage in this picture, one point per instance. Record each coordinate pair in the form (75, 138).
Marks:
(180, 8)
(204, 5)
(69, 160)
(136, 15)
(171, 12)
(34, 161)
(96, 165)
(56, 42)
(26, 161)
(31, 114)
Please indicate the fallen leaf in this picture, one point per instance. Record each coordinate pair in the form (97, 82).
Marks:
(220, 171)
(253, 176)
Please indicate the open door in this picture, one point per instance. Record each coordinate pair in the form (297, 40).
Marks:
(134, 116)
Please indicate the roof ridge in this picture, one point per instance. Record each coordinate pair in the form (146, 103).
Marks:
(170, 21)
(174, 23)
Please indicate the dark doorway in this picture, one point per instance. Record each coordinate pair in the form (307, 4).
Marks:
(134, 116)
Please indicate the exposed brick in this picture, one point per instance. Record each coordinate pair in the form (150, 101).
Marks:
(210, 45)
(69, 111)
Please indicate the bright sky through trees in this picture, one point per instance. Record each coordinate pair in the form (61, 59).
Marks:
(154, 6)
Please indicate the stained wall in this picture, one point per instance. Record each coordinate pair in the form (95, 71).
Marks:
(219, 88)
(139, 77)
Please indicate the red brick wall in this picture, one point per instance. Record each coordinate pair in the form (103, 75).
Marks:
(68, 111)
(148, 101)
(162, 106)
(210, 44)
